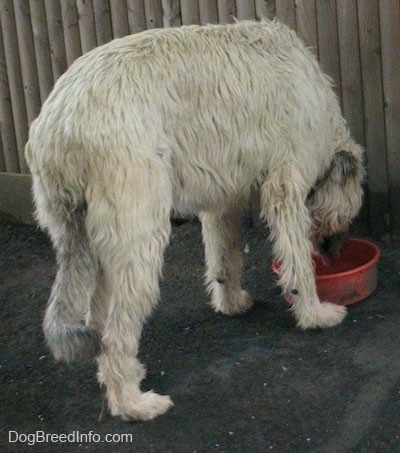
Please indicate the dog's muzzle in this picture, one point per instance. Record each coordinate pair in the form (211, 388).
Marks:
(331, 246)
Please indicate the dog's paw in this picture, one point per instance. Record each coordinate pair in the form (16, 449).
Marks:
(232, 304)
(144, 406)
(320, 315)
(71, 342)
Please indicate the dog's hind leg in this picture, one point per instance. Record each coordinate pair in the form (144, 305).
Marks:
(224, 262)
(283, 206)
(129, 228)
(66, 332)
(131, 278)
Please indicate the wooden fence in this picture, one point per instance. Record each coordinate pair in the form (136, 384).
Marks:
(356, 41)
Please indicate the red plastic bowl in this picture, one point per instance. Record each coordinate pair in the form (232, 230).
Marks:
(348, 278)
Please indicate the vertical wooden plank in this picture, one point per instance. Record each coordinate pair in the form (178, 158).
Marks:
(286, 12)
(171, 13)
(246, 9)
(226, 11)
(307, 23)
(119, 18)
(102, 20)
(42, 48)
(390, 40)
(72, 37)
(328, 50)
(208, 11)
(350, 69)
(14, 75)
(154, 14)
(136, 16)
(87, 29)
(350, 74)
(190, 12)
(56, 37)
(27, 57)
(368, 19)
(2, 159)
(265, 9)
(9, 142)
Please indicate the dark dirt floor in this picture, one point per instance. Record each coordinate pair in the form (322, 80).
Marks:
(250, 383)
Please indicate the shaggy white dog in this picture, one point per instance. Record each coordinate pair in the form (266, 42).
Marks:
(187, 121)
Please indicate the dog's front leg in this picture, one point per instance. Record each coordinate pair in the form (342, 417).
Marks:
(224, 262)
(283, 206)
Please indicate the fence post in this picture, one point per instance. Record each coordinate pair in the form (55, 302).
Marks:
(119, 19)
(265, 9)
(56, 37)
(190, 12)
(102, 18)
(208, 10)
(27, 57)
(16, 85)
(72, 39)
(328, 48)
(390, 41)
(371, 73)
(42, 48)
(154, 14)
(226, 11)
(87, 29)
(9, 145)
(136, 16)
(307, 23)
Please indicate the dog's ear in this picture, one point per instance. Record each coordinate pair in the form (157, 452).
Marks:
(344, 165)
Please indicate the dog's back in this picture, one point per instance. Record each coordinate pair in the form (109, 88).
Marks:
(193, 99)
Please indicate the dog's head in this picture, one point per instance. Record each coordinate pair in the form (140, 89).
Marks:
(336, 199)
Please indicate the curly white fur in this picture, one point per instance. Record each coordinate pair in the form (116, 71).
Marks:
(186, 121)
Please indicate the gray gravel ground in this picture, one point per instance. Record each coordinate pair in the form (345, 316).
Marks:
(250, 383)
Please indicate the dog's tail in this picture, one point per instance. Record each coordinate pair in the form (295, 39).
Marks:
(62, 213)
